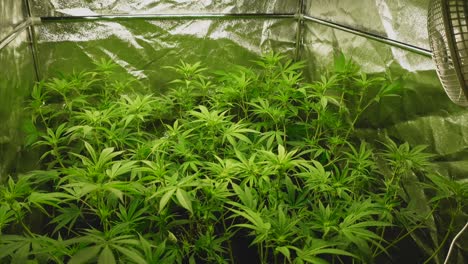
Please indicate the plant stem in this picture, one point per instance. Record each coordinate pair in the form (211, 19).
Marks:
(449, 229)
(231, 256)
(284, 136)
(261, 252)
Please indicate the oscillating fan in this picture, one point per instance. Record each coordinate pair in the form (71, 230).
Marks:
(448, 37)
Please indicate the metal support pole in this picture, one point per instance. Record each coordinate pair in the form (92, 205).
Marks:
(14, 33)
(372, 36)
(165, 17)
(300, 28)
(33, 40)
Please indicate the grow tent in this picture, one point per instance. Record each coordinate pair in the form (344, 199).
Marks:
(42, 37)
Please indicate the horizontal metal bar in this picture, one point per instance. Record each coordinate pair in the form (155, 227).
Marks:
(166, 17)
(372, 36)
(15, 32)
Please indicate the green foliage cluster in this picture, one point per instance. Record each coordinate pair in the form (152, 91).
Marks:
(251, 160)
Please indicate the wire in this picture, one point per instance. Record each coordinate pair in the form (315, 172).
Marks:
(453, 243)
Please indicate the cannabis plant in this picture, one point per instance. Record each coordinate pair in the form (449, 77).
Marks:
(250, 165)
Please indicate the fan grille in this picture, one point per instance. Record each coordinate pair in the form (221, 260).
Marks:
(448, 36)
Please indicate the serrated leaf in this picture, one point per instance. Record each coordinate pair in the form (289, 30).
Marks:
(165, 199)
(21, 255)
(85, 255)
(106, 256)
(184, 199)
(131, 254)
(285, 251)
(67, 216)
(52, 199)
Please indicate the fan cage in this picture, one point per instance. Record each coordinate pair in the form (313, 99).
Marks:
(448, 36)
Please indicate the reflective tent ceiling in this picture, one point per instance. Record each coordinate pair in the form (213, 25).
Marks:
(392, 36)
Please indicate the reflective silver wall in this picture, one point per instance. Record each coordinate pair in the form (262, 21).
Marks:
(17, 75)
